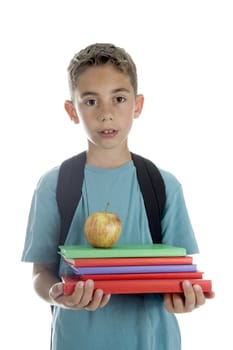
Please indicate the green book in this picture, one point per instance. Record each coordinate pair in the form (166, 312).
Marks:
(121, 251)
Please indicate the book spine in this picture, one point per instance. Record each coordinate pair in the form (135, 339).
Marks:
(91, 262)
(134, 269)
(142, 276)
(136, 286)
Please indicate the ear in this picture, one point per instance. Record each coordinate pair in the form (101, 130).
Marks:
(71, 111)
(138, 105)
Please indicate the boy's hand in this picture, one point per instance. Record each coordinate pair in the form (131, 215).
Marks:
(192, 298)
(83, 297)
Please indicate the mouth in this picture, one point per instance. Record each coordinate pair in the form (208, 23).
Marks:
(108, 132)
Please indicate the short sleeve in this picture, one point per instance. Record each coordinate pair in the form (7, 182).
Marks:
(43, 228)
(176, 225)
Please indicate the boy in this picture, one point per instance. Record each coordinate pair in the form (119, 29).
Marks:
(104, 99)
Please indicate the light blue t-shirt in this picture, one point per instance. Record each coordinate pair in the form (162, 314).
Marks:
(132, 322)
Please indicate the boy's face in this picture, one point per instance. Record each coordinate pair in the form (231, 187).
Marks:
(106, 105)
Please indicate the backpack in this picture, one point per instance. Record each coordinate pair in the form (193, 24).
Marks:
(69, 190)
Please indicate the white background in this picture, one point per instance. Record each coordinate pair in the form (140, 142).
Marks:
(183, 51)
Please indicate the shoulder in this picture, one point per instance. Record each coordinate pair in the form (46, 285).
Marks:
(173, 189)
(172, 184)
(48, 180)
(175, 200)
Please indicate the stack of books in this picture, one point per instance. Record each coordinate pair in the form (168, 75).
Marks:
(128, 268)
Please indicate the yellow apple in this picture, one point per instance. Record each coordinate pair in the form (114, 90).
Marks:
(102, 229)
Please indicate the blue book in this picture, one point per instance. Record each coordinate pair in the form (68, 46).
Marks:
(133, 269)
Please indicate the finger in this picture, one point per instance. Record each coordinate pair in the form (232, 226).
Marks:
(56, 291)
(200, 297)
(174, 302)
(190, 296)
(105, 300)
(87, 295)
(209, 295)
(178, 301)
(168, 302)
(96, 300)
(82, 295)
(73, 300)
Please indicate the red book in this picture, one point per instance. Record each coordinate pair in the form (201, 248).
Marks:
(136, 286)
(88, 262)
(142, 276)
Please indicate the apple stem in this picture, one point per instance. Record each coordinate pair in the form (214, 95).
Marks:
(107, 207)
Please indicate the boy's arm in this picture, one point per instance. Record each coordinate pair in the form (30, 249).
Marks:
(49, 287)
(44, 277)
(192, 298)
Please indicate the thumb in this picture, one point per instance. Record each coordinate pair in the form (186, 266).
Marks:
(56, 290)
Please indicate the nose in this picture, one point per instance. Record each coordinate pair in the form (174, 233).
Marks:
(105, 117)
(105, 113)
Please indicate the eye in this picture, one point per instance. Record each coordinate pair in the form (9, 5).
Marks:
(120, 99)
(90, 102)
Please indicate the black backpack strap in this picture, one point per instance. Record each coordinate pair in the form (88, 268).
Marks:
(69, 190)
(153, 191)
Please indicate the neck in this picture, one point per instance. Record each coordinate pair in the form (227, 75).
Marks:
(108, 158)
